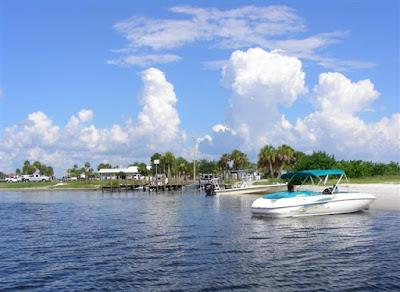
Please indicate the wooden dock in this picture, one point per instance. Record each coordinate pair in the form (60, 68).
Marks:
(135, 185)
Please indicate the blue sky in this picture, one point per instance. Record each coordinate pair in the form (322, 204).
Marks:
(56, 55)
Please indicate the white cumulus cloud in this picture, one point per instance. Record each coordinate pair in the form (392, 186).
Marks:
(85, 115)
(335, 126)
(261, 81)
(155, 129)
(337, 94)
(158, 121)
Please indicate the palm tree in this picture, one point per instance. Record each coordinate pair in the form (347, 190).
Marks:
(37, 165)
(25, 167)
(286, 157)
(267, 158)
(223, 163)
(182, 166)
(87, 169)
(169, 161)
(103, 165)
(240, 159)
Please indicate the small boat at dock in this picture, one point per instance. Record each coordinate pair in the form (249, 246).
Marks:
(246, 188)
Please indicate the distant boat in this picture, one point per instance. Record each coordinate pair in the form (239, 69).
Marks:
(244, 188)
(310, 202)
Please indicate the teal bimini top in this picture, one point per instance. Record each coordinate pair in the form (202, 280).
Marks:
(312, 172)
(285, 195)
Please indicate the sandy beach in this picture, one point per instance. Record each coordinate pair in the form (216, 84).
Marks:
(387, 195)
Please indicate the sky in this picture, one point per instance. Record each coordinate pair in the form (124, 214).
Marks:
(115, 81)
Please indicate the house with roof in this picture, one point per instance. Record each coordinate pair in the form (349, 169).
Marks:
(131, 172)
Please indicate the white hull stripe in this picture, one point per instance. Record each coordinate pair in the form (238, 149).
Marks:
(314, 203)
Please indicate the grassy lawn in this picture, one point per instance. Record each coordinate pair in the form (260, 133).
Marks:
(79, 184)
(50, 185)
(22, 185)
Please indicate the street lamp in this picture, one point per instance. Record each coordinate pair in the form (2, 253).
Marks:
(195, 141)
(156, 162)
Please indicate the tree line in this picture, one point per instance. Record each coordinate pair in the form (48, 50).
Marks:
(28, 168)
(353, 168)
(271, 162)
(85, 170)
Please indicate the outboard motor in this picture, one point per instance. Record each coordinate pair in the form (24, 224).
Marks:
(209, 189)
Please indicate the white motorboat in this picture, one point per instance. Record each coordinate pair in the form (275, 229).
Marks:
(244, 187)
(311, 202)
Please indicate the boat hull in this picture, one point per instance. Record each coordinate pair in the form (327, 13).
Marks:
(312, 206)
(253, 190)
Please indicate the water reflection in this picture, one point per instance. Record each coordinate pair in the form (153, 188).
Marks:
(142, 241)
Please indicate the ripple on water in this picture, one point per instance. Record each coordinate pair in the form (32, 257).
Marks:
(137, 241)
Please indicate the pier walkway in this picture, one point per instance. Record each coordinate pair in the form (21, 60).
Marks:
(134, 185)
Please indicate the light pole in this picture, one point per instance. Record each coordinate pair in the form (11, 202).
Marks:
(194, 158)
(156, 162)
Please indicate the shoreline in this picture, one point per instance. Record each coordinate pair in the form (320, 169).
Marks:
(387, 194)
(50, 189)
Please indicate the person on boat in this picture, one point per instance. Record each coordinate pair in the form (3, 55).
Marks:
(329, 191)
(290, 188)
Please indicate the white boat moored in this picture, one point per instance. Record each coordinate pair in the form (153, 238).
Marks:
(309, 202)
(247, 189)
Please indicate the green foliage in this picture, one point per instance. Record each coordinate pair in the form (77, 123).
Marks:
(103, 166)
(240, 159)
(359, 168)
(29, 168)
(206, 166)
(317, 160)
(271, 160)
(2, 175)
(182, 166)
(168, 160)
(353, 168)
(274, 160)
(47, 170)
(142, 168)
(222, 163)
(87, 170)
(393, 168)
(160, 166)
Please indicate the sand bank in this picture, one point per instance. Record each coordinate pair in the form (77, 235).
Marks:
(387, 195)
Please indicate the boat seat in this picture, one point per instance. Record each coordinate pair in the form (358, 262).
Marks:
(285, 195)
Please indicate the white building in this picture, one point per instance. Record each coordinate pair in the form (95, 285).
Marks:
(132, 172)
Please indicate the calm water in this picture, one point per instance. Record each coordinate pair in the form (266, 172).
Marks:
(141, 241)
